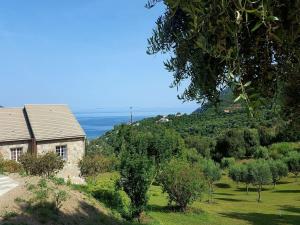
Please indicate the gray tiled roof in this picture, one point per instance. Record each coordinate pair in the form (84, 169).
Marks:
(51, 122)
(13, 125)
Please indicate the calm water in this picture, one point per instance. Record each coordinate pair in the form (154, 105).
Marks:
(99, 121)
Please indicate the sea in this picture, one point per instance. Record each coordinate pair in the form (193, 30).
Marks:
(97, 122)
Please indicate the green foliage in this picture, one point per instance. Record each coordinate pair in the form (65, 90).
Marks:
(92, 165)
(227, 162)
(183, 182)
(293, 162)
(212, 173)
(230, 144)
(267, 135)
(278, 170)
(137, 174)
(280, 150)
(261, 175)
(47, 165)
(204, 145)
(251, 46)
(261, 153)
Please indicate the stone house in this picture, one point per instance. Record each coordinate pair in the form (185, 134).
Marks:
(42, 128)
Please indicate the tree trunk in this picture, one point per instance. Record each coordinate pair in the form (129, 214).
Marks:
(259, 191)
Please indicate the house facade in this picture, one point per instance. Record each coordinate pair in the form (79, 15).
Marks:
(39, 129)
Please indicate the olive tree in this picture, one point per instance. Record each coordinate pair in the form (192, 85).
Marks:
(261, 175)
(278, 170)
(212, 173)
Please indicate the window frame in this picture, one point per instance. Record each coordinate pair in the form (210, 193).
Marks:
(16, 153)
(62, 151)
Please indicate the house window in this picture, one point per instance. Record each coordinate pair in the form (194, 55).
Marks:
(15, 153)
(62, 151)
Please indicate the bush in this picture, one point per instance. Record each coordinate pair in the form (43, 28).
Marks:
(261, 153)
(103, 189)
(94, 164)
(48, 164)
(279, 150)
(251, 141)
(267, 135)
(227, 162)
(183, 182)
(10, 166)
(293, 162)
(203, 145)
(230, 144)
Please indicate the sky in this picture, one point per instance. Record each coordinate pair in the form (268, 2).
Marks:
(84, 53)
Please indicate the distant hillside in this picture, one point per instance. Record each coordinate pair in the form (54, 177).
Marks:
(226, 105)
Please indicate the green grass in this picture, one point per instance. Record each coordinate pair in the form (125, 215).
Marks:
(233, 206)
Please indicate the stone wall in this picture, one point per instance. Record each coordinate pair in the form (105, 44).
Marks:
(5, 148)
(75, 152)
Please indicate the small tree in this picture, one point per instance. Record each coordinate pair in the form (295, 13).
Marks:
(278, 170)
(293, 162)
(183, 182)
(137, 173)
(227, 162)
(260, 172)
(235, 173)
(212, 173)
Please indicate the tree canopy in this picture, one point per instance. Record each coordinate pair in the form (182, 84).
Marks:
(251, 46)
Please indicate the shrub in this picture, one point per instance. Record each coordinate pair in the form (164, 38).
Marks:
(279, 150)
(183, 182)
(227, 162)
(48, 164)
(230, 144)
(293, 162)
(251, 141)
(10, 166)
(94, 164)
(203, 145)
(261, 153)
(102, 187)
(267, 135)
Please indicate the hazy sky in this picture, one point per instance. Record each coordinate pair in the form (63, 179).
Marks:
(85, 53)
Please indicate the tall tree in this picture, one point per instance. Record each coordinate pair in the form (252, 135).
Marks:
(252, 46)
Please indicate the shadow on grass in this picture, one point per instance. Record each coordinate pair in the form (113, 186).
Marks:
(286, 191)
(231, 199)
(222, 185)
(227, 194)
(250, 189)
(173, 209)
(290, 208)
(85, 214)
(263, 219)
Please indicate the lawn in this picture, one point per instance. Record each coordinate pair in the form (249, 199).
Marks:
(233, 206)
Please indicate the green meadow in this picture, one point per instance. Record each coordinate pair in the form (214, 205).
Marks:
(231, 204)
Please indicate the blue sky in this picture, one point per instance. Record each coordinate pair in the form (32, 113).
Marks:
(85, 53)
